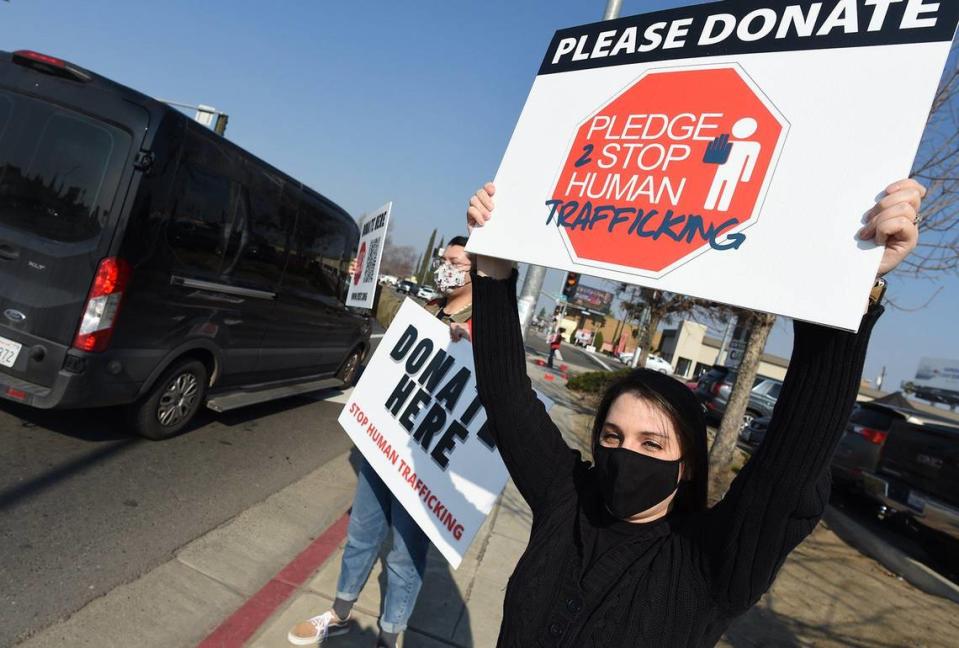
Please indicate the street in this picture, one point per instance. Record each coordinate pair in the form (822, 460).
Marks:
(84, 507)
(573, 355)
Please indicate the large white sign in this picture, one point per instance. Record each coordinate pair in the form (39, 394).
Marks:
(416, 417)
(372, 240)
(726, 150)
(938, 373)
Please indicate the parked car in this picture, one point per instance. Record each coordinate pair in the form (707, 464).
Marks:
(653, 362)
(918, 475)
(860, 447)
(716, 385)
(407, 287)
(149, 263)
(427, 292)
(753, 432)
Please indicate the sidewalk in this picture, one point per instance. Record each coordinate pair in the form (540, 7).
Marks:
(827, 593)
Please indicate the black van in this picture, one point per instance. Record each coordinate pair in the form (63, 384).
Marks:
(146, 261)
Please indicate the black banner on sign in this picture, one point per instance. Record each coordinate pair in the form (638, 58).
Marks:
(750, 27)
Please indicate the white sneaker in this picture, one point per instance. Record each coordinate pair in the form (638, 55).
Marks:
(313, 632)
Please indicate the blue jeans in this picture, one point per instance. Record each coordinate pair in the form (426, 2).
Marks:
(375, 511)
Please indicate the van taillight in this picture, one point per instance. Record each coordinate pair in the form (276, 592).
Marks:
(871, 435)
(716, 387)
(103, 305)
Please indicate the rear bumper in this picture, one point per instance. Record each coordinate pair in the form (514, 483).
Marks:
(712, 409)
(100, 380)
(924, 509)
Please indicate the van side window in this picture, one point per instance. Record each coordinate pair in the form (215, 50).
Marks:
(315, 259)
(203, 207)
(6, 107)
(339, 252)
(267, 218)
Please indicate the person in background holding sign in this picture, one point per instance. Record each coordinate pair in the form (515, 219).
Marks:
(625, 552)
(451, 274)
(376, 510)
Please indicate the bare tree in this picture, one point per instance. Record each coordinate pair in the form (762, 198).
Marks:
(656, 306)
(722, 451)
(398, 260)
(937, 167)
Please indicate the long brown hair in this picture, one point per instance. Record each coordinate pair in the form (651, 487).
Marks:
(682, 408)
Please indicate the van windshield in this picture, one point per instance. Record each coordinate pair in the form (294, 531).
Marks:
(59, 170)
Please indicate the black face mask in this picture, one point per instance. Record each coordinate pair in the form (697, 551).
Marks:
(632, 482)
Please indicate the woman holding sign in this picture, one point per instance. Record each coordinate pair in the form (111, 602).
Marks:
(625, 552)
(376, 511)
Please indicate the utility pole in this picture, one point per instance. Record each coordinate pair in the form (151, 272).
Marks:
(727, 339)
(535, 275)
(612, 9)
(643, 323)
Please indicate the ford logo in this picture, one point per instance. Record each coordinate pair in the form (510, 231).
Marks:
(14, 315)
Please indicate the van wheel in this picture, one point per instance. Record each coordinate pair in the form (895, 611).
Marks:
(748, 419)
(351, 368)
(172, 402)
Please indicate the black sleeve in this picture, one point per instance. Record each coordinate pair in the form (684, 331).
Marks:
(779, 496)
(531, 445)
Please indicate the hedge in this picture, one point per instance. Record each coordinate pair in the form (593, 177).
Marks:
(595, 382)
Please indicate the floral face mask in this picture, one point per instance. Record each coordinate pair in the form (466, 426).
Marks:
(448, 277)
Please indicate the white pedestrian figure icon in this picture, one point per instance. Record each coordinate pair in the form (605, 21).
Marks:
(738, 168)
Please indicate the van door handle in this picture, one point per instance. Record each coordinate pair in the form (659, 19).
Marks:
(8, 253)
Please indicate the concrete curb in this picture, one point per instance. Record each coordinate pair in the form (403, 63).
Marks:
(917, 574)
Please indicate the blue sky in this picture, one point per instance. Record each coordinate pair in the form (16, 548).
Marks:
(373, 101)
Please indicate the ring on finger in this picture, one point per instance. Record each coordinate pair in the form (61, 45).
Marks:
(917, 220)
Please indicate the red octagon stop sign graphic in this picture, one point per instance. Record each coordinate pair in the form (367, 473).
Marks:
(675, 165)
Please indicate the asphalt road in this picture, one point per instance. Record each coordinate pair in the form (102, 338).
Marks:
(572, 354)
(84, 507)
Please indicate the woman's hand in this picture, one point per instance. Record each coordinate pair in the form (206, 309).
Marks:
(894, 222)
(479, 212)
(459, 332)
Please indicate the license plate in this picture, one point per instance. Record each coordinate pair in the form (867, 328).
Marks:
(9, 350)
(916, 502)
(875, 486)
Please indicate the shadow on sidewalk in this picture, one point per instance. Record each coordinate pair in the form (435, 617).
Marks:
(440, 617)
(828, 595)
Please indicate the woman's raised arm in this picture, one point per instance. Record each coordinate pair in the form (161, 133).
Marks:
(538, 460)
(781, 493)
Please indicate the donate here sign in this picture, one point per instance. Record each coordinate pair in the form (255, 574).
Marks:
(726, 150)
(416, 417)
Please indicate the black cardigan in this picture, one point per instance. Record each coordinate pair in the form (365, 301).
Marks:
(682, 580)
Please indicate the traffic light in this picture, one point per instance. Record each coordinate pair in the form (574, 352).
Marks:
(569, 288)
(220, 126)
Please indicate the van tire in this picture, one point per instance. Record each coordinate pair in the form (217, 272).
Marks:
(350, 369)
(176, 396)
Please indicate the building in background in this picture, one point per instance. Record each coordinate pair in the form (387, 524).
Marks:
(692, 352)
